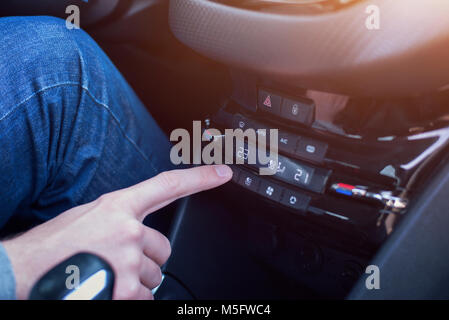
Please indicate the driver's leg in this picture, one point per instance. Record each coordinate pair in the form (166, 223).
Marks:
(71, 128)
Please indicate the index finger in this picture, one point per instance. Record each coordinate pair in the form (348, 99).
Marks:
(166, 187)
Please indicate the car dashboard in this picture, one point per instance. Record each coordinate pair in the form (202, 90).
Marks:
(358, 91)
(359, 140)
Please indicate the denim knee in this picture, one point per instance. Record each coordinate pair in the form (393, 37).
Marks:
(38, 53)
(71, 127)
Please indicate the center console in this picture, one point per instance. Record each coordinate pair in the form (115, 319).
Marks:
(311, 229)
(350, 169)
(348, 180)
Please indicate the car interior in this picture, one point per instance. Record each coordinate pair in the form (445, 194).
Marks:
(363, 119)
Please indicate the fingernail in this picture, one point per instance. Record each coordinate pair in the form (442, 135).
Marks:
(223, 171)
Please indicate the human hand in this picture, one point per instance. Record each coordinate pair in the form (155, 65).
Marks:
(112, 228)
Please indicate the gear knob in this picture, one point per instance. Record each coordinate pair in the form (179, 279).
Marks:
(83, 276)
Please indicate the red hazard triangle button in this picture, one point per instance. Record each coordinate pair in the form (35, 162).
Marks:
(267, 102)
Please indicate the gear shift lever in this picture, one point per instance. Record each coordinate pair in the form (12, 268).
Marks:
(83, 276)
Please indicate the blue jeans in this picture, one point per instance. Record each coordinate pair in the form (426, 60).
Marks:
(71, 128)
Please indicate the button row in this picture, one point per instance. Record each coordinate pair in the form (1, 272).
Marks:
(300, 110)
(304, 148)
(299, 174)
(271, 190)
(288, 170)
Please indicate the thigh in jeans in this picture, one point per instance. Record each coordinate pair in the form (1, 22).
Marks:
(71, 128)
